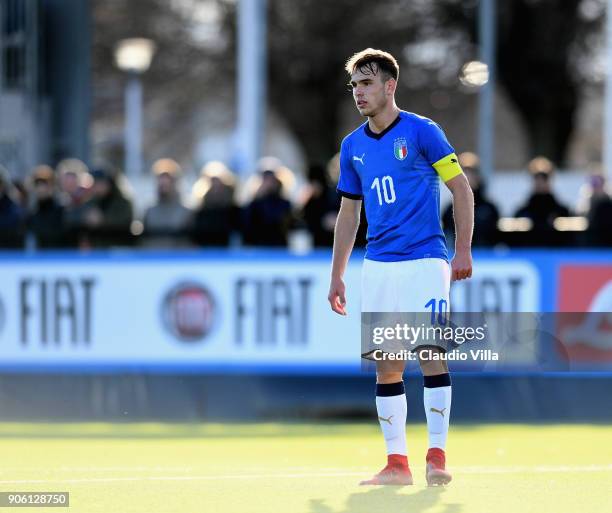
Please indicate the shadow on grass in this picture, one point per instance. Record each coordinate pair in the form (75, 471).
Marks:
(389, 499)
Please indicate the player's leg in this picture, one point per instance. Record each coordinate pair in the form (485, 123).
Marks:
(391, 406)
(433, 282)
(437, 396)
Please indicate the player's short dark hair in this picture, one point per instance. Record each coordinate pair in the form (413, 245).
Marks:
(371, 61)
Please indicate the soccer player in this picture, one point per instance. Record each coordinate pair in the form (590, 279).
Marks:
(394, 163)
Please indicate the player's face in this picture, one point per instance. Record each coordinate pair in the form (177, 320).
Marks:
(370, 92)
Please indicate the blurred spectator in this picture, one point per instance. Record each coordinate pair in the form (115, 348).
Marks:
(486, 214)
(75, 185)
(592, 192)
(11, 213)
(21, 194)
(217, 215)
(269, 215)
(46, 219)
(74, 182)
(166, 223)
(596, 204)
(108, 214)
(320, 205)
(286, 176)
(542, 208)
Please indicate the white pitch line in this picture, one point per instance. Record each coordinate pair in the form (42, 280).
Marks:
(182, 478)
(458, 470)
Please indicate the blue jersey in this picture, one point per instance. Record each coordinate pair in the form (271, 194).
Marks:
(397, 173)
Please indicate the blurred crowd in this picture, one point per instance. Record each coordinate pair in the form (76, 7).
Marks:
(73, 206)
(542, 220)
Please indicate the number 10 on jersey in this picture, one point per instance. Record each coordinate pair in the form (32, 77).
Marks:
(384, 189)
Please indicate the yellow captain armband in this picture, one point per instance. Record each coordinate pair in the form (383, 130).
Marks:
(448, 167)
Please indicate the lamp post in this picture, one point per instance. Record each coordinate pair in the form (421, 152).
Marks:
(487, 29)
(251, 84)
(607, 128)
(134, 56)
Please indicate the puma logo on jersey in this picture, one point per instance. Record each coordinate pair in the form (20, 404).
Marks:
(382, 419)
(359, 159)
(441, 412)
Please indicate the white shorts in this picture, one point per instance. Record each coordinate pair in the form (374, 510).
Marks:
(406, 286)
(412, 292)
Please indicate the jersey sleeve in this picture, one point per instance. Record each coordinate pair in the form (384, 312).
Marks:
(436, 149)
(349, 183)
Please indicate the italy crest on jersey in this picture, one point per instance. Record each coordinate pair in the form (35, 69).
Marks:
(400, 148)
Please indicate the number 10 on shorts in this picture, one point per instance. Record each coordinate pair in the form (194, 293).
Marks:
(440, 311)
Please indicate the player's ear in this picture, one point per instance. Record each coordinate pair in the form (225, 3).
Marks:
(390, 86)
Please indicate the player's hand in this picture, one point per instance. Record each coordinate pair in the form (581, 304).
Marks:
(461, 265)
(336, 297)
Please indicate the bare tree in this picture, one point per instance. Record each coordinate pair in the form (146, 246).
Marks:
(542, 46)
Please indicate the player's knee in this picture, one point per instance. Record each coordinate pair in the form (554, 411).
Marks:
(434, 368)
(389, 371)
(430, 366)
(389, 377)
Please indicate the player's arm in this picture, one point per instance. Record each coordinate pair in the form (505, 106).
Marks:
(437, 150)
(463, 213)
(345, 232)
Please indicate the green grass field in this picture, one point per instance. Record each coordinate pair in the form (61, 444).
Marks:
(304, 468)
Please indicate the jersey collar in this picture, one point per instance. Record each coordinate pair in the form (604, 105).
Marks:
(380, 135)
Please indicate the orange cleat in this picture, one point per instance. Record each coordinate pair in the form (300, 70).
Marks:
(396, 473)
(435, 471)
